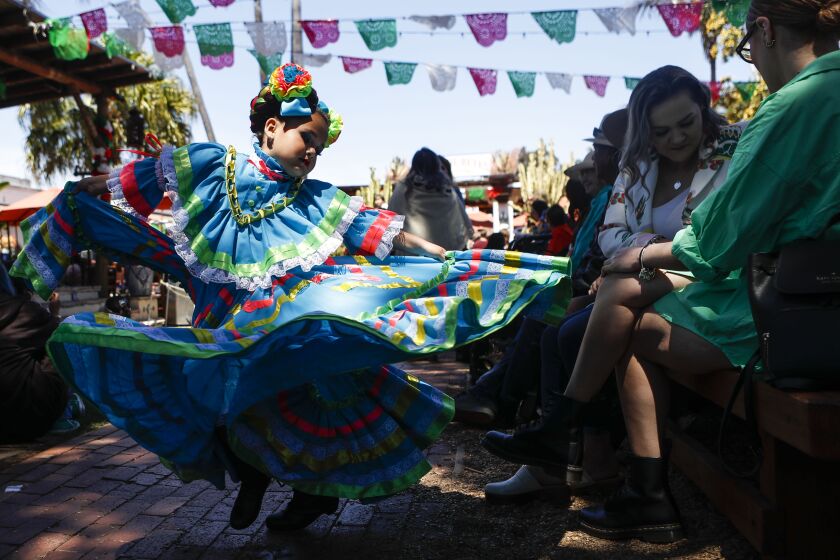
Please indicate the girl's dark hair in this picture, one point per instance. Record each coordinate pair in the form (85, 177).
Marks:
(814, 17)
(655, 88)
(426, 172)
(539, 206)
(496, 241)
(556, 216)
(578, 199)
(270, 107)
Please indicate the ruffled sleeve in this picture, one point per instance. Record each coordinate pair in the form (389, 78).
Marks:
(137, 188)
(372, 232)
(49, 243)
(216, 248)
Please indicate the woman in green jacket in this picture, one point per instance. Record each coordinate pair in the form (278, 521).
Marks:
(783, 185)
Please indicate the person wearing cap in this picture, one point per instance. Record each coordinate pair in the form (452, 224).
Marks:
(585, 172)
(494, 399)
(606, 143)
(558, 346)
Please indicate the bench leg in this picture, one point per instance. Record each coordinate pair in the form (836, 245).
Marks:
(809, 501)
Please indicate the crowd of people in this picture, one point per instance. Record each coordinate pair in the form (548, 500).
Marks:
(642, 275)
(690, 199)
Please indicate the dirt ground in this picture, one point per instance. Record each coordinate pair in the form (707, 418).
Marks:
(465, 526)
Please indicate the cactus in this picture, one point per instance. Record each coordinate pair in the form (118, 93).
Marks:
(396, 171)
(541, 177)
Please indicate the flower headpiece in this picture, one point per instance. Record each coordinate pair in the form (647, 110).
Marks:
(291, 84)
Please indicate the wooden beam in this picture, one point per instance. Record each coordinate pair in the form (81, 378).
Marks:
(29, 98)
(751, 513)
(47, 72)
(804, 420)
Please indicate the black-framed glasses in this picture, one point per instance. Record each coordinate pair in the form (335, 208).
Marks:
(742, 49)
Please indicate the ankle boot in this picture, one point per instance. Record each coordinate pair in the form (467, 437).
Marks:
(642, 508)
(302, 510)
(249, 499)
(551, 441)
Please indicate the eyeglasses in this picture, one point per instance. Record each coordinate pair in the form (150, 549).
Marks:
(742, 49)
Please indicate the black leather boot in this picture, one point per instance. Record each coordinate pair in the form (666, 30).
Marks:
(551, 441)
(249, 499)
(302, 510)
(642, 508)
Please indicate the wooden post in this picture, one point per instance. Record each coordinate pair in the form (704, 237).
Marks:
(87, 123)
(202, 109)
(297, 32)
(103, 262)
(258, 18)
(91, 140)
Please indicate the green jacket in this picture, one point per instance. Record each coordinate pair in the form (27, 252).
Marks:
(783, 185)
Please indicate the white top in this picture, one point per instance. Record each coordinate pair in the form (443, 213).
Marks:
(628, 221)
(667, 219)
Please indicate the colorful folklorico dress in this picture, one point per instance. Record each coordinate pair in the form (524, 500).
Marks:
(287, 343)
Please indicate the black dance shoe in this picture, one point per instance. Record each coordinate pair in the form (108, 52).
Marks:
(303, 510)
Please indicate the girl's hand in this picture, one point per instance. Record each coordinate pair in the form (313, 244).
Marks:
(434, 251)
(94, 186)
(419, 246)
(625, 261)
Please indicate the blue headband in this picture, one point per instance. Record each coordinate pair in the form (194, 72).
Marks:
(298, 107)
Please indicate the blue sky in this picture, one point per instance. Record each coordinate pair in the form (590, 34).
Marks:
(383, 121)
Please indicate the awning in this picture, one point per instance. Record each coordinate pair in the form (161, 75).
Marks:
(31, 72)
(25, 207)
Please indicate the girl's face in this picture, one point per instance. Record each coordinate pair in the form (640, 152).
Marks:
(295, 142)
(676, 127)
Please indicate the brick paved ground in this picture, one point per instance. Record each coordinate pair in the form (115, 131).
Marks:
(100, 495)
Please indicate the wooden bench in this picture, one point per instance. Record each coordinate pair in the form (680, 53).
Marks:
(794, 510)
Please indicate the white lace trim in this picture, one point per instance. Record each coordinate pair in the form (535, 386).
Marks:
(40, 266)
(118, 199)
(215, 275)
(501, 292)
(386, 244)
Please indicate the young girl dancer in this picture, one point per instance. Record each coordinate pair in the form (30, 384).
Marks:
(281, 374)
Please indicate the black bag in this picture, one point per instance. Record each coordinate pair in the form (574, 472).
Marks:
(795, 299)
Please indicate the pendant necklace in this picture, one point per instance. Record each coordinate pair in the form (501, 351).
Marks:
(677, 185)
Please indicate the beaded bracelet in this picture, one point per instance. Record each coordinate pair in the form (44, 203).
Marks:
(646, 274)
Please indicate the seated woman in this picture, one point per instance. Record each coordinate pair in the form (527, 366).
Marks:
(790, 152)
(676, 152)
(33, 395)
